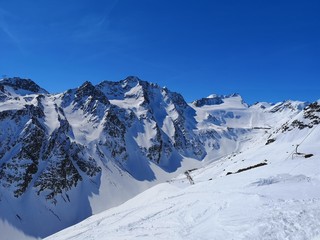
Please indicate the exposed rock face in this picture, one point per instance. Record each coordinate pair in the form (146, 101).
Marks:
(31, 157)
(113, 135)
(312, 112)
(208, 101)
(310, 118)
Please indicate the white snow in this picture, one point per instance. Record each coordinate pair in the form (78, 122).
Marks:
(51, 114)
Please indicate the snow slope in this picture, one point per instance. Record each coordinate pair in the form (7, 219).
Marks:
(264, 190)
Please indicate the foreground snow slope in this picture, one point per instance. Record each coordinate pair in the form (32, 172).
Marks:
(275, 195)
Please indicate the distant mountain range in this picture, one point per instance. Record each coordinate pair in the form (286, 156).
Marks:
(66, 156)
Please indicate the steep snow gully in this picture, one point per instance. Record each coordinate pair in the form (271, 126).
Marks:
(133, 160)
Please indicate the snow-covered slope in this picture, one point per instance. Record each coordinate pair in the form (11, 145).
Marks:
(264, 190)
(67, 156)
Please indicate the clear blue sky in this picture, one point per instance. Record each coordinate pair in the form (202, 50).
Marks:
(265, 50)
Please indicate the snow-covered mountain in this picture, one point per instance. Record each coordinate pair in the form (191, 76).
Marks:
(67, 156)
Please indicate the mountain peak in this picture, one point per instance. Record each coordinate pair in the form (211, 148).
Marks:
(216, 99)
(213, 96)
(131, 81)
(212, 99)
(87, 89)
(18, 83)
(86, 84)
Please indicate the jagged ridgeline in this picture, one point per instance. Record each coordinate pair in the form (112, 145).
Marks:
(51, 142)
